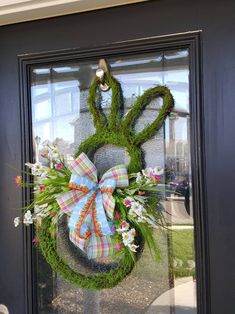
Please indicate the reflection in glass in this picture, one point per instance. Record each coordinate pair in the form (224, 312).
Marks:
(60, 115)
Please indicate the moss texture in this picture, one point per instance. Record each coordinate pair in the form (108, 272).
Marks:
(96, 281)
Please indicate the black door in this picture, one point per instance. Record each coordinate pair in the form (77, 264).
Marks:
(187, 45)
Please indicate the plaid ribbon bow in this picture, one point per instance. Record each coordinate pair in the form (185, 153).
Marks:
(89, 203)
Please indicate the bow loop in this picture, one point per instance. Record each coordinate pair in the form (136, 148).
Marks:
(119, 174)
(108, 185)
(83, 167)
(90, 205)
(82, 183)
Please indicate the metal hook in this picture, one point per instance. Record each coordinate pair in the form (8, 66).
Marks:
(100, 73)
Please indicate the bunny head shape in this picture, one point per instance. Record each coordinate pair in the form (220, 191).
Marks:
(119, 131)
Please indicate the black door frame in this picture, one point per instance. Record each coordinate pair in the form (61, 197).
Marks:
(190, 40)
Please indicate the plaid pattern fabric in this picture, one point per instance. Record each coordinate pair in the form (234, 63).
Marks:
(99, 247)
(115, 177)
(88, 203)
(68, 200)
(83, 167)
(119, 174)
(74, 238)
(108, 203)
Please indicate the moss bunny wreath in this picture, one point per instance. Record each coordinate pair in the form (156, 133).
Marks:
(119, 132)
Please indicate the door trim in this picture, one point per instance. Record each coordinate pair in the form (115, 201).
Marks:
(190, 40)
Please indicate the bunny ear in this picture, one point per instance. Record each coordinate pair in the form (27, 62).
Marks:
(117, 102)
(139, 106)
(93, 100)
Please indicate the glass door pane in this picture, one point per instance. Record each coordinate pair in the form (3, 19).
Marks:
(60, 115)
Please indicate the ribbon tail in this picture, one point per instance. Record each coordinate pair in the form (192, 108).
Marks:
(109, 204)
(79, 242)
(101, 225)
(99, 247)
(80, 218)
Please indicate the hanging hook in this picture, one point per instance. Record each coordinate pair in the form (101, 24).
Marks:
(100, 73)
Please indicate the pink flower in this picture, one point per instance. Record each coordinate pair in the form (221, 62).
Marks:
(18, 181)
(59, 166)
(119, 246)
(141, 193)
(113, 228)
(42, 187)
(123, 224)
(117, 215)
(157, 178)
(35, 241)
(154, 176)
(127, 202)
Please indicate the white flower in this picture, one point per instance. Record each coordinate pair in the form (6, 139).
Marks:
(39, 210)
(132, 232)
(139, 178)
(16, 221)
(135, 205)
(140, 210)
(53, 152)
(128, 237)
(133, 247)
(37, 169)
(136, 210)
(132, 212)
(44, 172)
(152, 175)
(41, 214)
(141, 219)
(150, 171)
(28, 218)
(124, 227)
(158, 171)
(146, 172)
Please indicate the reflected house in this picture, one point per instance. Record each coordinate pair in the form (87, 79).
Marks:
(179, 200)
(177, 148)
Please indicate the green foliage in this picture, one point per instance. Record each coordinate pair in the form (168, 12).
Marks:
(96, 281)
(111, 130)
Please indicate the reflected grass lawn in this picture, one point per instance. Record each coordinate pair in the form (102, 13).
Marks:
(177, 256)
(182, 252)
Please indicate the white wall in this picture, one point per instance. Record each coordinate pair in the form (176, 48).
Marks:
(14, 11)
